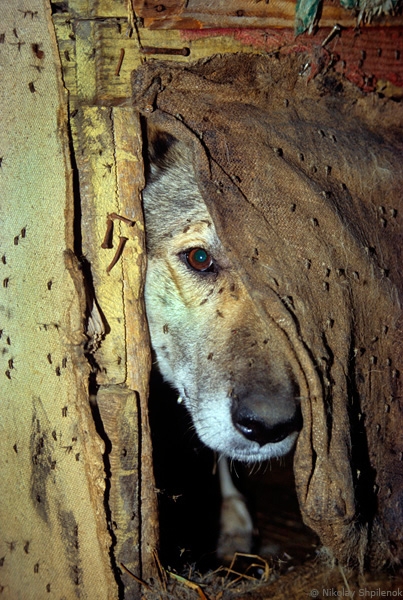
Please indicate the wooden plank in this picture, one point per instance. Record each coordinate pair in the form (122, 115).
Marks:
(118, 408)
(130, 182)
(54, 540)
(199, 14)
(93, 138)
(108, 151)
(108, 155)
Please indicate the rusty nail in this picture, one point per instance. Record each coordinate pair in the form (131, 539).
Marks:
(107, 242)
(115, 216)
(157, 50)
(120, 61)
(335, 31)
(118, 253)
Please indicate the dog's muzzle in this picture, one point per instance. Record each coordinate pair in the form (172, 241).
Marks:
(254, 417)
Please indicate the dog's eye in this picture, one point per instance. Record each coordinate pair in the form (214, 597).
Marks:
(199, 260)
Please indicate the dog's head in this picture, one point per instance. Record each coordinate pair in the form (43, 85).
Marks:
(211, 342)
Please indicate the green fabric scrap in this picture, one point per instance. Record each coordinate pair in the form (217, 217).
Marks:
(305, 14)
(349, 4)
(306, 11)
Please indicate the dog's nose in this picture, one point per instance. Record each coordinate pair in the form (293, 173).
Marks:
(262, 427)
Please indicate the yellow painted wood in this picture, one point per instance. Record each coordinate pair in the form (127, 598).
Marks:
(108, 151)
(54, 540)
(95, 157)
(130, 180)
(108, 155)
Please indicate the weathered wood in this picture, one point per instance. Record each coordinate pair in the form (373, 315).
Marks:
(130, 180)
(199, 14)
(118, 408)
(371, 59)
(108, 153)
(93, 138)
(54, 539)
(74, 502)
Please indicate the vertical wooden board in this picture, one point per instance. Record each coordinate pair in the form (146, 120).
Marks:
(95, 157)
(86, 76)
(108, 155)
(108, 150)
(130, 181)
(118, 409)
(131, 491)
(53, 536)
(117, 55)
(67, 50)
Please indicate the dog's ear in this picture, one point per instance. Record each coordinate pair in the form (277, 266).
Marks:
(161, 146)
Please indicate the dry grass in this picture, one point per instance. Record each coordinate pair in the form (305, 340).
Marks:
(251, 577)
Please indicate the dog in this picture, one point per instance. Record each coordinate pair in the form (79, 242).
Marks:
(210, 342)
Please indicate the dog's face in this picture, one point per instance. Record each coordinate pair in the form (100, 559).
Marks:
(210, 342)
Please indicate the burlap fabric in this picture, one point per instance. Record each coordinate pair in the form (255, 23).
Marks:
(303, 180)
